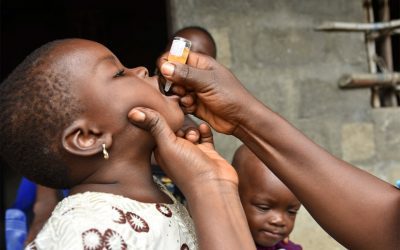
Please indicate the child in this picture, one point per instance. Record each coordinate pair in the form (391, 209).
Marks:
(269, 205)
(64, 125)
(202, 40)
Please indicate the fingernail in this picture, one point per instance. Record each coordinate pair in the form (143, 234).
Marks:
(137, 116)
(167, 69)
(192, 133)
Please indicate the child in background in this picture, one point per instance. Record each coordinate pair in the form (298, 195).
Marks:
(269, 205)
(64, 125)
(202, 40)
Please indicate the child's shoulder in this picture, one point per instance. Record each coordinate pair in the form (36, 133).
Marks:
(97, 201)
(103, 216)
(90, 206)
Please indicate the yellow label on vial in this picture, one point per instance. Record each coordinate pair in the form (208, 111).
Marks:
(179, 52)
(179, 58)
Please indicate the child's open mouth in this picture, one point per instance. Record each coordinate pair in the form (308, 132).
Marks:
(161, 85)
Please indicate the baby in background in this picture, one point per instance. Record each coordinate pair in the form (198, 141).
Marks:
(269, 205)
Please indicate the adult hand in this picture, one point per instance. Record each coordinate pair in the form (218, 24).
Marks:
(209, 183)
(180, 158)
(189, 130)
(208, 90)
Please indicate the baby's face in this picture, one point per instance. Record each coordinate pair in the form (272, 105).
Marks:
(109, 90)
(270, 208)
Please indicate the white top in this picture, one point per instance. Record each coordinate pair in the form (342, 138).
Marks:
(94, 220)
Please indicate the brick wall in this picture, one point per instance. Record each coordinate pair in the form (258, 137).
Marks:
(273, 49)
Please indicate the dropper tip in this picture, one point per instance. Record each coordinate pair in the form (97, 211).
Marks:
(168, 85)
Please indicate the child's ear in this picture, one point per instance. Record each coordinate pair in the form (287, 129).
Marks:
(84, 139)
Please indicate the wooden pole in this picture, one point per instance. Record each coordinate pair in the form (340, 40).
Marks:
(385, 50)
(367, 80)
(388, 26)
(371, 52)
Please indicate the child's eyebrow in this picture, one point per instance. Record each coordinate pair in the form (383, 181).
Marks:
(104, 59)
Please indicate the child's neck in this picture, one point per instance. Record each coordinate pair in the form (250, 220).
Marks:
(133, 180)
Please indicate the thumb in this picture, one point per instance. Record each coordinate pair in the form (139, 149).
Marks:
(197, 74)
(152, 122)
(286, 240)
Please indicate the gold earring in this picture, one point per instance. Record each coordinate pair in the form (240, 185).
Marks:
(105, 153)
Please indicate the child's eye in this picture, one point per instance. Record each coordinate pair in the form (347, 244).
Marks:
(262, 207)
(119, 73)
(292, 212)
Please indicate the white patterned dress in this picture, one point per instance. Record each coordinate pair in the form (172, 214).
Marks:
(93, 221)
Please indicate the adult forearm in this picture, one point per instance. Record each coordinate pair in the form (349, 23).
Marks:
(344, 200)
(220, 220)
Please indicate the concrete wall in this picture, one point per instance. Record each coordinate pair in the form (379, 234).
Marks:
(273, 49)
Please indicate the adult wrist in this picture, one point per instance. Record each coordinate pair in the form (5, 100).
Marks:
(249, 119)
(217, 188)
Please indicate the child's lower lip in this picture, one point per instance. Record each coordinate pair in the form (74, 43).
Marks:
(174, 97)
(274, 236)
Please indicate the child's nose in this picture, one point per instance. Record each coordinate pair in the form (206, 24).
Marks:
(278, 219)
(140, 72)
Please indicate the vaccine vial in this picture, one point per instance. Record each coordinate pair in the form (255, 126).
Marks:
(179, 52)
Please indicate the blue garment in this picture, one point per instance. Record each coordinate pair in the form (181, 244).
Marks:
(26, 196)
(19, 215)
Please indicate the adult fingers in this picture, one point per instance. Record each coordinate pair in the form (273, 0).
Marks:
(152, 122)
(192, 135)
(197, 74)
(206, 135)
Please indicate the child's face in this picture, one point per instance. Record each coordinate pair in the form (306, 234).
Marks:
(269, 205)
(109, 91)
